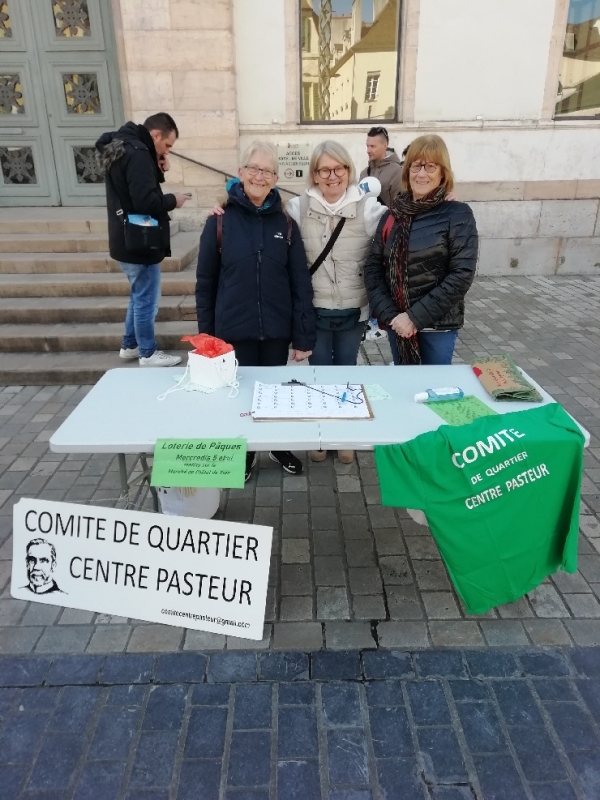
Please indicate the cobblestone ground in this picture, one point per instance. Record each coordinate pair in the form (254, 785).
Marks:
(346, 572)
(376, 725)
(370, 683)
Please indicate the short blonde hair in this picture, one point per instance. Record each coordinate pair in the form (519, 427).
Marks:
(428, 148)
(267, 149)
(333, 150)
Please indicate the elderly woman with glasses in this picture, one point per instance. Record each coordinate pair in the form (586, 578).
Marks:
(253, 287)
(422, 260)
(335, 205)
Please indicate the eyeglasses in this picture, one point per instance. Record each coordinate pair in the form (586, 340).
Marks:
(430, 167)
(253, 171)
(325, 172)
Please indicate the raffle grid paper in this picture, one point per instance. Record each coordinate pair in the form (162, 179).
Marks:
(273, 401)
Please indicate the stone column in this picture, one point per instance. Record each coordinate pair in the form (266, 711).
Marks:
(178, 56)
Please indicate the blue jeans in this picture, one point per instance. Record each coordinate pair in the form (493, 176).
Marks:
(143, 306)
(337, 348)
(436, 347)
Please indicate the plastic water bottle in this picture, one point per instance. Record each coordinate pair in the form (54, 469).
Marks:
(434, 395)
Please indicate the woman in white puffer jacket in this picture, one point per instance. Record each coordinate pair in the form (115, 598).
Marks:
(340, 296)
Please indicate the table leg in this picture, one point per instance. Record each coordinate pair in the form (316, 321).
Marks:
(123, 476)
(147, 471)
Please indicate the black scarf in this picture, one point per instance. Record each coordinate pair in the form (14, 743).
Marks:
(405, 209)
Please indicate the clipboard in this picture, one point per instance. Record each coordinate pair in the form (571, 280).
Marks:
(299, 402)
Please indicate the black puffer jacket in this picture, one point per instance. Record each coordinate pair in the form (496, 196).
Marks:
(258, 287)
(442, 256)
(133, 181)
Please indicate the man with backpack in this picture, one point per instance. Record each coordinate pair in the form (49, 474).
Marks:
(138, 225)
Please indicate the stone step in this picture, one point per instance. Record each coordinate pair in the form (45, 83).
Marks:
(70, 242)
(38, 310)
(76, 368)
(53, 220)
(65, 337)
(110, 284)
(184, 249)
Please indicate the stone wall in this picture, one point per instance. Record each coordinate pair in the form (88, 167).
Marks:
(538, 237)
(178, 56)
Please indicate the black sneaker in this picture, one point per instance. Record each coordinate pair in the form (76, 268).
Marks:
(287, 460)
(250, 462)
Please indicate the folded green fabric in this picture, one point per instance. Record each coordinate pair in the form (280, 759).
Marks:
(501, 379)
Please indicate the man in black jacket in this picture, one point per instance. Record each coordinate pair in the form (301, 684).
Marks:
(130, 157)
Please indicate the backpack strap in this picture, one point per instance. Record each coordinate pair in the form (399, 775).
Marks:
(219, 232)
(289, 229)
(387, 228)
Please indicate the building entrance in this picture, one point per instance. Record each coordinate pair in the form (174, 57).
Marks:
(59, 90)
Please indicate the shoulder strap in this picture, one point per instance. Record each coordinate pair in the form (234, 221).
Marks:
(289, 229)
(328, 247)
(219, 232)
(387, 228)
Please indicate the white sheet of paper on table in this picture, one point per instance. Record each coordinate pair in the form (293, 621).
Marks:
(318, 401)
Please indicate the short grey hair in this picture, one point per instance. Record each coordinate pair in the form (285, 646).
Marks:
(39, 541)
(267, 149)
(333, 150)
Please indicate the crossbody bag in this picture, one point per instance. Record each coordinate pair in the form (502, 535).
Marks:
(334, 319)
(140, 240)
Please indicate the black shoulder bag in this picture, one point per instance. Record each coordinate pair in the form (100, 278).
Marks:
(140, 240)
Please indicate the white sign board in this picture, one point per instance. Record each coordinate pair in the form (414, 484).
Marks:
(194, 573)
(293, 161)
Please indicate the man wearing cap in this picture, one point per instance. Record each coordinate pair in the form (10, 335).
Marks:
(384, 165)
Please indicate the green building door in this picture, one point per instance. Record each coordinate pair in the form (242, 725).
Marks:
(59, 90)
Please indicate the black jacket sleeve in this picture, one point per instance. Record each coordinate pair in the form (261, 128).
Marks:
(146, 195)
(304, 335)
(381, 302)
(463, 244)
(207, 277)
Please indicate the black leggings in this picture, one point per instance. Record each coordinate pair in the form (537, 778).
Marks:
(268, 353)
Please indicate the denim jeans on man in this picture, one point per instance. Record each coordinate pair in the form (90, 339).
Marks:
(143, 306)
(337, 348)
(436, 347)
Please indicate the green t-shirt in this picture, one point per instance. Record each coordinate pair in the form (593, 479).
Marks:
(501, 496)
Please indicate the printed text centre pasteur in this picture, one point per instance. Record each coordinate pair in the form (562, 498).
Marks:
(164, 538)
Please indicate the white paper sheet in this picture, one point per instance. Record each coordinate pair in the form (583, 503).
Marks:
(300, 401)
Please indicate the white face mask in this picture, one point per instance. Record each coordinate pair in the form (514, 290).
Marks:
(208, 375)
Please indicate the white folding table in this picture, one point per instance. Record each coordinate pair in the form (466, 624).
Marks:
(122, 413)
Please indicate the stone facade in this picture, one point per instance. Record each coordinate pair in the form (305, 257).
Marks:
(229, 72)
(178, 56)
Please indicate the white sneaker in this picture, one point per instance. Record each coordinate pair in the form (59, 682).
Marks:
(129, 353)
(373, 334)
(159, 359)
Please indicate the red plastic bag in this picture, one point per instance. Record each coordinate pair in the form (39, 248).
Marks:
(208, 346)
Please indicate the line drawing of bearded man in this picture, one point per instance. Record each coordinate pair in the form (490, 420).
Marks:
(40, 560)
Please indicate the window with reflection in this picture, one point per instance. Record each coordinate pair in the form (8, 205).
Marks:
(349, 52)
(579, 82)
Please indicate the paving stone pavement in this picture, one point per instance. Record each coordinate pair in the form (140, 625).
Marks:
(346, 572)
(346, 725)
